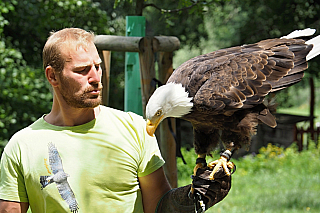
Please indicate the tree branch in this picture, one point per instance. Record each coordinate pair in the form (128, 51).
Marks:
(172, 11)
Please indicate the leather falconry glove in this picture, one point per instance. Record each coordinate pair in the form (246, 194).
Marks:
(206, 193)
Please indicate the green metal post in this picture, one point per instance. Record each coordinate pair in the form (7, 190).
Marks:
(132, 93)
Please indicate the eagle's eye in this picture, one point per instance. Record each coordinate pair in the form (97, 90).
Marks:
(159, 112)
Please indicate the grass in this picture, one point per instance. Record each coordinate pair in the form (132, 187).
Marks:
(274, 181)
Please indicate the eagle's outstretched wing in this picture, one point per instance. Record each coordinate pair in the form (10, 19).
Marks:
(240, 77)
(54, 159)
(67, 194)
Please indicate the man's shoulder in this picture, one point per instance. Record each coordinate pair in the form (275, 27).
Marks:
(121, 114)
(128, 120)
(26, 133)
(27, 130)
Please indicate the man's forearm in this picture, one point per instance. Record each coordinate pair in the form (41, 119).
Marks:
(176, 201)
(11, 206)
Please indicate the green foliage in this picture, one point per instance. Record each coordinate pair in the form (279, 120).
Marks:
(32, 20)
(275, 18)
(24, 94)
(5, 7)
(277, 180)
(187, 25)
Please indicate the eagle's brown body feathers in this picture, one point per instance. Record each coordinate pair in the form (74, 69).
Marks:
(228, 87)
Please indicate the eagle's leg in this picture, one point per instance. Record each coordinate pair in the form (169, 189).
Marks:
(200, 163)
(222, 162)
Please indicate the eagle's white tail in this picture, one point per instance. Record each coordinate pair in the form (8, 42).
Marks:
(300, 33)
(316, 47)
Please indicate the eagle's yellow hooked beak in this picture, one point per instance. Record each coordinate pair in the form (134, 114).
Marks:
(152, 125)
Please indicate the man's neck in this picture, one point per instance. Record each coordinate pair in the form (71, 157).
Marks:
(70, 116)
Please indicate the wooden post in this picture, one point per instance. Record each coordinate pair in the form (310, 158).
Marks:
(312, 95)
(168, 152)
(165, 66)
(147, 47)
(147, 71)
(105, 65)
(298, 137)
(167, 142)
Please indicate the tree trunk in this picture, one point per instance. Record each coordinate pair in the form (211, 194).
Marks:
(139, 7)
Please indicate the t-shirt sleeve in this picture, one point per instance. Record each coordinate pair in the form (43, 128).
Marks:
(12, 185)
(151, 159)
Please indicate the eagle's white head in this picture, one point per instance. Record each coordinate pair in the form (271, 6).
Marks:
(169, 100)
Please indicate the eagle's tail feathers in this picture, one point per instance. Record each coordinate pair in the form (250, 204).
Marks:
(286, 81)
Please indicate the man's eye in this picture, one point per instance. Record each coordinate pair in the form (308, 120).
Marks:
(86, 69)
(97, 67)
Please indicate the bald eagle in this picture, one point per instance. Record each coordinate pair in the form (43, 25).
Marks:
(222, 93)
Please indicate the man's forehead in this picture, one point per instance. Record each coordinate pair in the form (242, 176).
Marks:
(83, 55)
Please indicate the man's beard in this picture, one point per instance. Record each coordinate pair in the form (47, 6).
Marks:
(80, 99)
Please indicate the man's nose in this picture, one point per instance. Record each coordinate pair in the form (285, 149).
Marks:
(95, 74)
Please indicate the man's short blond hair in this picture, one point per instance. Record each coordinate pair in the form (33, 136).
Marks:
(53, 50)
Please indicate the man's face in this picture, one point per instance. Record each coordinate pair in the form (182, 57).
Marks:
(80, 79)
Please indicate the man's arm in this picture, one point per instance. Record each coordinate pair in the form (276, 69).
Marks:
(13, 207)
(153, 187)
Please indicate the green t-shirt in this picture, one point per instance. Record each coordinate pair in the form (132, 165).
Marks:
(103, 159)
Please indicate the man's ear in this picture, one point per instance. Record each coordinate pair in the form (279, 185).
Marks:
(51, 76)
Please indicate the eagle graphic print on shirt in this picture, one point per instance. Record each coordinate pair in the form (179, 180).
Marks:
(60, 178)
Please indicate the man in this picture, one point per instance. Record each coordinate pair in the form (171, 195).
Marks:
(84, 157)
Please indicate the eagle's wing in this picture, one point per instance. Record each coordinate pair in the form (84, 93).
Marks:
(54, 159)
(240, 77)
(68, 195)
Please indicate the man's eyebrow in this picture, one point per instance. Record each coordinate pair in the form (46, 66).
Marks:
(78, 66)
(98, 61)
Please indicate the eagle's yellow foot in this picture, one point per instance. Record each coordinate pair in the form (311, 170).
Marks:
(222, 162)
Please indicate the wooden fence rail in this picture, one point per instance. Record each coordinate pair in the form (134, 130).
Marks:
(308, 132)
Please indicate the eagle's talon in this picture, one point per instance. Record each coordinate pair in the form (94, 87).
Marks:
(222, 162)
